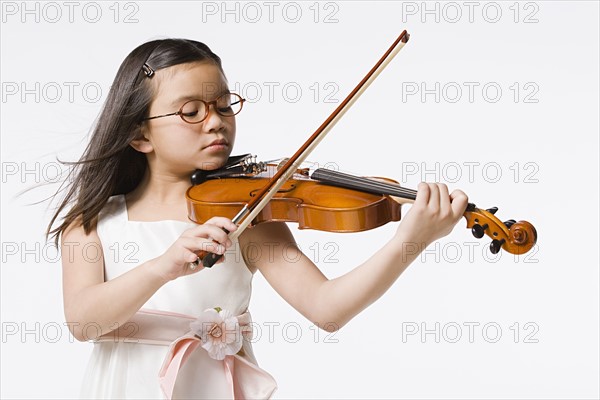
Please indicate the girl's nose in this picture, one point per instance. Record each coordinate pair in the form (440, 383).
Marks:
(213, 121)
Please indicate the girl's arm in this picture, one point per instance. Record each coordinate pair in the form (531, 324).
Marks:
(88, 299)
(332, 303)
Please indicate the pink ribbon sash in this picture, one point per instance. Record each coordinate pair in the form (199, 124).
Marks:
(246, 379)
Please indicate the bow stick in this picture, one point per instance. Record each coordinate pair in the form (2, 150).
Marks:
(262, 198)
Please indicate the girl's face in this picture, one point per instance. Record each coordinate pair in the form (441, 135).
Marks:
(175, 146)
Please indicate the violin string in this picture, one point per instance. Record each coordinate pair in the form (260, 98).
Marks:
(361, 183)
(381, 187)
(364, 183)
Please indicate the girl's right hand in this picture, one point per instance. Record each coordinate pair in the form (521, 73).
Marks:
(208, 237)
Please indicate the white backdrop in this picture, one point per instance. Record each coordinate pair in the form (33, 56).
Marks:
(499, 99)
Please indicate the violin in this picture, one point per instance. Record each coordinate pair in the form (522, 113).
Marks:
(332, 201)
(326, 200)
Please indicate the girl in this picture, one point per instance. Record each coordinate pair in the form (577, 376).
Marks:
(168, 113)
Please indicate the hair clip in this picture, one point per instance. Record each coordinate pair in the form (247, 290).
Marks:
(147, 70)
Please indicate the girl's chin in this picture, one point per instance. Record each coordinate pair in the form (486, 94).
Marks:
(214, 161)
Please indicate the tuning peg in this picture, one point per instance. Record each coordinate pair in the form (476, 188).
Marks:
(509, 223)
(496, 245)
(492, 210)
(478, 230)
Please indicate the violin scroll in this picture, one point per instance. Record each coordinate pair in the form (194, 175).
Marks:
(514, 237)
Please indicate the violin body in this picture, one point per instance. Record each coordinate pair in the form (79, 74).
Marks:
(302, 200)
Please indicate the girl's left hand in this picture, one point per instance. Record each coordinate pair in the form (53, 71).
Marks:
(433, 214)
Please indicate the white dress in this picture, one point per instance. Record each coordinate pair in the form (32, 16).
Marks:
(130, 370)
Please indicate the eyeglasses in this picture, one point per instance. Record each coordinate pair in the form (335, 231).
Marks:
(196, 111)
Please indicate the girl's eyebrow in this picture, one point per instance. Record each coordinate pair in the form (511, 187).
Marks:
(182, 99)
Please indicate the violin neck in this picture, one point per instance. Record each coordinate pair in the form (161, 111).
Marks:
(368, 185)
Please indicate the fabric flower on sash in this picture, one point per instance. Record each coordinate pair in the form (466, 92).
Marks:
(219, 331)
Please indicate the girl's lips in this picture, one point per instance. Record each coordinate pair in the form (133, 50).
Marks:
(218, 145)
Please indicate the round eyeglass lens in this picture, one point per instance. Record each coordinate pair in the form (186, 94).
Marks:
(229, 104)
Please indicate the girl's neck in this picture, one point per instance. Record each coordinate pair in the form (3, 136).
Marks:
(158, 195)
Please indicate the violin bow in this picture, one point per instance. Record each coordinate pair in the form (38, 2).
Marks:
(262, 198)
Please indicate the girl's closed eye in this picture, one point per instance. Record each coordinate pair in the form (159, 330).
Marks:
(224, 110)
(191, 108)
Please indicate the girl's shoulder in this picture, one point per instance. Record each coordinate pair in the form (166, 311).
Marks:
(114, 212)
(114, 207)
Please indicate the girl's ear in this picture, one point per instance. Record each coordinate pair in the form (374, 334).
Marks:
(142, 144)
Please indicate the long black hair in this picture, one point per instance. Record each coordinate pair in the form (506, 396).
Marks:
(109, 165)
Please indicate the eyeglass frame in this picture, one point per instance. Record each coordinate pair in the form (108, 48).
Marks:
(207, 105)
